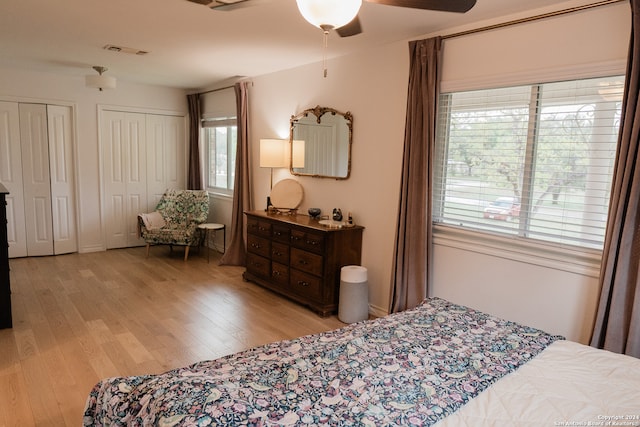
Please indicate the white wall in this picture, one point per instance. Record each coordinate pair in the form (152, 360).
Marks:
(372, 85)
(32, 86)
(554, 300)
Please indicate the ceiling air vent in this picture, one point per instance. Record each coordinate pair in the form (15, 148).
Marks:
(123, 49)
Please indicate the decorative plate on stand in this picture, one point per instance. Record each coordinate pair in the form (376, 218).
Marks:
(287, 195)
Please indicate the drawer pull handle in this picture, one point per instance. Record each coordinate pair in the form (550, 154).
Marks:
(303, 262)
(312, 242)
(276, 273)
(256, 245)
(278, 253)
(303, 283)
(277, 233)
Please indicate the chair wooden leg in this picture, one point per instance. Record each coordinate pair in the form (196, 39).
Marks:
(186, 252)
(148, 246)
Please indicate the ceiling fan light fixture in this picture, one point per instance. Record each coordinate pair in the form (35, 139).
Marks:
(100, 81)
(329, 14)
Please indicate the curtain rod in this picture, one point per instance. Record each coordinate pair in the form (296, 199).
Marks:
(227, 87)
(532, 18)
(216, 90)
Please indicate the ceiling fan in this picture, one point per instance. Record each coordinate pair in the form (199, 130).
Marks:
(320, 12)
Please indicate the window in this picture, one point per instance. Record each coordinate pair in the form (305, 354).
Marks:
(220, 142)
(529, 161)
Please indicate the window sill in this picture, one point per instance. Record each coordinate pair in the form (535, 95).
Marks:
(220, 194)
(572, 259)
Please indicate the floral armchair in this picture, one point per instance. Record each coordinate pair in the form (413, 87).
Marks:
(175, 220)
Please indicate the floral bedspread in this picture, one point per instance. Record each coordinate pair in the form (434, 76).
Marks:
(410, 368)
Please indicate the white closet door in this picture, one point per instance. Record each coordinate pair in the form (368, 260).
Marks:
(166, 156)
(124, 175)
(175, 148)
(155, 160)
(137, 175)
(11, 177)
(36, 178)
(59, 119)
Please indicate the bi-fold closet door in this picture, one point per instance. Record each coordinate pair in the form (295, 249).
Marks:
(123, 138)
(142, 155)
(36, 166)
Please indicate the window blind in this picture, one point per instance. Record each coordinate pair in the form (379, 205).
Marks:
(531, 161)
(591, 43)
(219, 104)
(219, 138)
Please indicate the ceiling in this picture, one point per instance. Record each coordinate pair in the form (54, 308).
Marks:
(193, 47)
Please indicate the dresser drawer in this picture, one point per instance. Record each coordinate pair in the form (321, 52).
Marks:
(258, 265)
(258, 245)
(306, 261)
(280, 274)
(258, 227)
(305, 285)
(280, 253)
(280, 233)
(308, 241)
(252, 225)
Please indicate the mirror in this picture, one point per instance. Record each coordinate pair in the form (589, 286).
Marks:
(326, 150)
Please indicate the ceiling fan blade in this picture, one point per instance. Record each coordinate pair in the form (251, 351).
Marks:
(228, 4)
(351, 29)
(459, 6)
(222, 4)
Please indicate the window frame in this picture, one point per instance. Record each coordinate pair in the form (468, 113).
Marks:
(230, 123)
(518, 247)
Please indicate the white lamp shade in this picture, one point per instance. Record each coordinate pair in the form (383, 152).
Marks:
(273, 153)
(100, 82)
(329, 13)
(298, 154)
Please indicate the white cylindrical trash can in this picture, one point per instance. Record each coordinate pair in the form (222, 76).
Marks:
(353, 305)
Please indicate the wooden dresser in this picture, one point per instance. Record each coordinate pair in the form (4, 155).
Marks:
(299, 258)
(5, 288)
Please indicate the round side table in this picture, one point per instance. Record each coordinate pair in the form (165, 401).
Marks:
(209, 227)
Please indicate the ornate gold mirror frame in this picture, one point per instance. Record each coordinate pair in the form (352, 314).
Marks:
(321, 140)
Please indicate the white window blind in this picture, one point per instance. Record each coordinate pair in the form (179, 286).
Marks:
(589, 43)
(531, 161)
(219, 103)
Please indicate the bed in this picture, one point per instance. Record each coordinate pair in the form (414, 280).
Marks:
(439, 364)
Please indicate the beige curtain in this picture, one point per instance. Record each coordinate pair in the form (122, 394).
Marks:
(617, 326)
(235, 253)
(194, 177)
(412, 251)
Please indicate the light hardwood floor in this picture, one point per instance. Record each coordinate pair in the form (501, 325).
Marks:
(82, 317)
